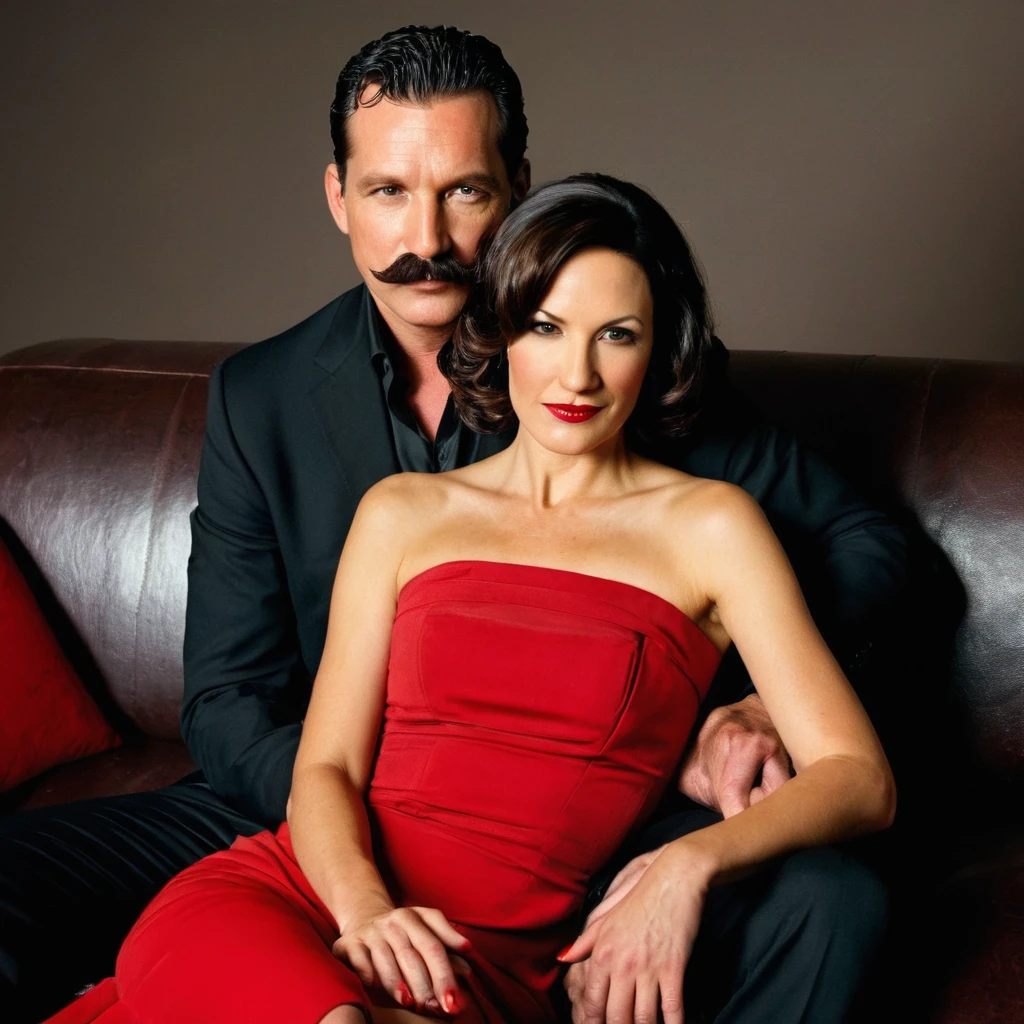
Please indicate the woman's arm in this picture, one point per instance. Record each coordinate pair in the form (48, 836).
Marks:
(401, 949)
(843, 785)
(326, 809)
(639, 942)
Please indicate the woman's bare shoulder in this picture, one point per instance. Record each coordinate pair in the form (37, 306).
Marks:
(402, 490)
(715, 511)
(405, 502)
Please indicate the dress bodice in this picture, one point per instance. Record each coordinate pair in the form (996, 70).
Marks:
(534, 717)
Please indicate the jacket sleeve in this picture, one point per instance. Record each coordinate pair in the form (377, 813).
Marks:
(244, 678)
(852, 559)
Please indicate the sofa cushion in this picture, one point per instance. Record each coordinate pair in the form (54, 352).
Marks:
(132, 768)
(46, 716)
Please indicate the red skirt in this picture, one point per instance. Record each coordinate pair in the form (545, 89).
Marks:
(241, 935)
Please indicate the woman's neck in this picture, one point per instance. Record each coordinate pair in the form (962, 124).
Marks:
(552, 481)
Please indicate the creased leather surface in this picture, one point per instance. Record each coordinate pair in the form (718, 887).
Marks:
(133, 769)
(945, 438)
(97, 477)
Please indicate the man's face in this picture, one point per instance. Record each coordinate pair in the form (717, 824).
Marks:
(427, 181)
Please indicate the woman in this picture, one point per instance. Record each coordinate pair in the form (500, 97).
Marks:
(514, 660)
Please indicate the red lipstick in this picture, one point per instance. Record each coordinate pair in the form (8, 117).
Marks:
(573, 413)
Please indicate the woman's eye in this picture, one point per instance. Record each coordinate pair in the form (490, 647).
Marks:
(619, 334)
(543, 327)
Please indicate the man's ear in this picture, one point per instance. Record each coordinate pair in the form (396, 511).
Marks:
(521, 185)
(336, 197)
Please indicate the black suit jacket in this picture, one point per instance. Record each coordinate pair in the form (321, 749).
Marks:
(298, 430)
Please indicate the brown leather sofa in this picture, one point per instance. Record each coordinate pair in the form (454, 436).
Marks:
(99, 448)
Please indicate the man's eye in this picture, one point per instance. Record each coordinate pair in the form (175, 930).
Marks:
(389, 190)
(467, 192)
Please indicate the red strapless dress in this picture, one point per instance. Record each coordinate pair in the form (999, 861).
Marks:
(534, 717)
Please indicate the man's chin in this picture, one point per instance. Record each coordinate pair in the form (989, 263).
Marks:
(424, 306)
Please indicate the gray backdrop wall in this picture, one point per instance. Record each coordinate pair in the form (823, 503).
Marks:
(851, 174)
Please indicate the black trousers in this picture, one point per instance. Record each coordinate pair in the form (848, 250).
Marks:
(790, 944)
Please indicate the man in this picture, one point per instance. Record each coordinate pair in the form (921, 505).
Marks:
(429, 136)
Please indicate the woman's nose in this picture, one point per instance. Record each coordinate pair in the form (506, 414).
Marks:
(579, 372)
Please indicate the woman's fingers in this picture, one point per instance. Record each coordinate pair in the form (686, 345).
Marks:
(442, 928)
(595, 997)
(406, 941)
(671, 998)
(584, 945)
(438, 980)
(388, 971)
(620, 1001)
(361, 962)
(406, 952)
(645, 1000)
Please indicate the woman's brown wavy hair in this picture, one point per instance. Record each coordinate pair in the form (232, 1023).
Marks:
(554, 223)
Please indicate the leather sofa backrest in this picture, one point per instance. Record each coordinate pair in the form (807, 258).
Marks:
(99, 449)
(944, 439)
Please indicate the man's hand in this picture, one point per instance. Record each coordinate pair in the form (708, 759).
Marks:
(736, 744)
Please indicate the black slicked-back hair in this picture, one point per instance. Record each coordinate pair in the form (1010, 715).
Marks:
(418, 63)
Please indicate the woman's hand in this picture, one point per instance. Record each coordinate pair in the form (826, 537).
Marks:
(404, 951)
(635, 953)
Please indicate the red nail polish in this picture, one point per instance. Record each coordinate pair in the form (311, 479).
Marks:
(404, 995)
(451, 1003)
(564, 951)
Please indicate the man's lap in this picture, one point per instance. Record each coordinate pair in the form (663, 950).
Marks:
(74, 878)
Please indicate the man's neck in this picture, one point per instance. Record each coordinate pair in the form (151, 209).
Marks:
(416, 350)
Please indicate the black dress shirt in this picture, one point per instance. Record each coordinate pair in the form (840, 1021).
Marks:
(454, 445)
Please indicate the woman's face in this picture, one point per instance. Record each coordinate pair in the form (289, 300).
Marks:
(587, 347)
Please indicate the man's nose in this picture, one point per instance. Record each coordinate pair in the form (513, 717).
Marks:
(427, 229)
(579, 371)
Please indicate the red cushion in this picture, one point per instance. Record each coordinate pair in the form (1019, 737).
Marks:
(46, 715)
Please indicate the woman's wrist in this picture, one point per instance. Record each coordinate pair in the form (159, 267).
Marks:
(351, 910)
(690, 859)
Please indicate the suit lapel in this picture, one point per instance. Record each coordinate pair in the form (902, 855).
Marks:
(348, 402)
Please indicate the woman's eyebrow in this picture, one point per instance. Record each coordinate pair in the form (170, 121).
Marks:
(610, 323)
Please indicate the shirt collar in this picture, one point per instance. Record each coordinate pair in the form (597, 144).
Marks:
(377, 351)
